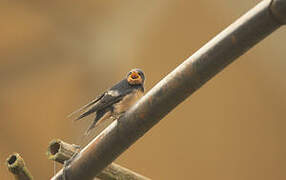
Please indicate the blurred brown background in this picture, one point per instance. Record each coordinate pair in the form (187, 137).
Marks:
(57, 55)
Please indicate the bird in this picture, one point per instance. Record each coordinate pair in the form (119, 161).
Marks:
(115, 101)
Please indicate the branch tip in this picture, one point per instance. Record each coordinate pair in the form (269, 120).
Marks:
(16, 165)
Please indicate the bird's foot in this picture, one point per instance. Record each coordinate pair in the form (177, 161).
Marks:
(117, 116)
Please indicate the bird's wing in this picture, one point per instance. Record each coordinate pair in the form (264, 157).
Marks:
(108, 99)
(87, 105)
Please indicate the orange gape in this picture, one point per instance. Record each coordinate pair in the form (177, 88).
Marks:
(134, 78)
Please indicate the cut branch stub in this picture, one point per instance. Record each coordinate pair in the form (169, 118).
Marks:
(17, 167)
(61, 151)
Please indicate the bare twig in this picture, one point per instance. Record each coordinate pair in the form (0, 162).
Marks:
(116, 172)
(213, 57)
(17, 167)
(61, 151)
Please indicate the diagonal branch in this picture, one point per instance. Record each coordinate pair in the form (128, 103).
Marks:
(213, 57)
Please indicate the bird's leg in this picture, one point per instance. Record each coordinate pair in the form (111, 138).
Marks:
(116, 116)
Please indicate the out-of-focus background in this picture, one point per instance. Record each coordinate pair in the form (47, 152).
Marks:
(56, 56)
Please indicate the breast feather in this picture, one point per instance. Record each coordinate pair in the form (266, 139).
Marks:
(128, 101)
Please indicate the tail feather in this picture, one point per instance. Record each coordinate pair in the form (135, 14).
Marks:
(100, 115)
(90, 111)
(85, 106)
(90, 128)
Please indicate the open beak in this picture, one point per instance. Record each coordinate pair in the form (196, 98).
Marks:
(134, 75)
(134, 78)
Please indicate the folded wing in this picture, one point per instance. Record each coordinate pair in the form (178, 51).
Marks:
(106, 100)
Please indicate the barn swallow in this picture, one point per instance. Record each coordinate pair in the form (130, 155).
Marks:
(116, 100)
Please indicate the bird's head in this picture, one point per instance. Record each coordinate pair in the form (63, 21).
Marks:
(135, 77)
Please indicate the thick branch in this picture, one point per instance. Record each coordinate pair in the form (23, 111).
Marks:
(61, 151)
(213, 57)
(18, 168)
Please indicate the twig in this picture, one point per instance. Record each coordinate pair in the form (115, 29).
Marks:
(61, 151)
(213, 57)
(18, 168)
(116, 172)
